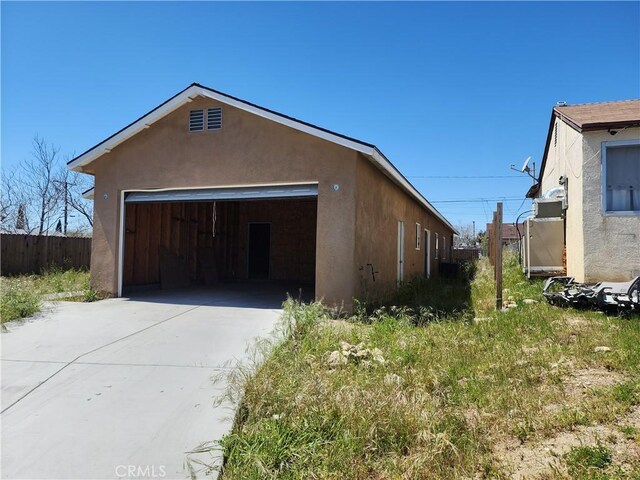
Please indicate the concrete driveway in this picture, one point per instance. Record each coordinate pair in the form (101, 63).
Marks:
(122, 388)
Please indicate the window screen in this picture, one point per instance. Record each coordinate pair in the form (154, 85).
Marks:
(623, 178)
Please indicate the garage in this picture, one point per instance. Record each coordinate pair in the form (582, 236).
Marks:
(209, 190)
(217, 236)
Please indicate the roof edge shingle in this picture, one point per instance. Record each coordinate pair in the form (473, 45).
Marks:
(589, 117)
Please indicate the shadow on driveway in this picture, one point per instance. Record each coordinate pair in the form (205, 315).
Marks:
(268, 295)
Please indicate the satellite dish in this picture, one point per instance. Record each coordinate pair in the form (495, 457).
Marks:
(525, 165)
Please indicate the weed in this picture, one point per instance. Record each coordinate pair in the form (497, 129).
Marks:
(420, 301)
(448, 391)
(22, 296)
(90, 295)
(585, 461)
(630, 432)
(17, 301)
(628, 393)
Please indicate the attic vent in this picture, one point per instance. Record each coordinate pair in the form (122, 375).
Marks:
(196, 120)
(214, 118)
(555, 135)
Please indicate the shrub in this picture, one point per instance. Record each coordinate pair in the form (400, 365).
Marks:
(18, 301)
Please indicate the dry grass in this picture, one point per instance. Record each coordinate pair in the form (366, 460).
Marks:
(22, 296)
(520, 394)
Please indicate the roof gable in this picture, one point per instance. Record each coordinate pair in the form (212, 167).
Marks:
(590, 117)
(196, 90)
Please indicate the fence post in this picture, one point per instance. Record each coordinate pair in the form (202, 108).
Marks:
(498, 264)
(492, 243)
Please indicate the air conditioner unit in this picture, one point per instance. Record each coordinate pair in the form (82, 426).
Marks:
(543, 246)
(549, 208)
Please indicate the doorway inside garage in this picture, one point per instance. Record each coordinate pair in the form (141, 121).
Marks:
(219, 237)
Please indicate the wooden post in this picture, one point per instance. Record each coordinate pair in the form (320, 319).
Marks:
(498, 264)
(492, 244)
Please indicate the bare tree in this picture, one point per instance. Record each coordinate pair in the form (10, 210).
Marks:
(8, 201)
(40, 192)
(71, 186)
(466, 235)
(37, 177)
(14, 203)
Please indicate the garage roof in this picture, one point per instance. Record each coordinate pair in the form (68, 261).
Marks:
(197, 90)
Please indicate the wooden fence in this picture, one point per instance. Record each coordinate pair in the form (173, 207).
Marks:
(23, 254)
(465, 254)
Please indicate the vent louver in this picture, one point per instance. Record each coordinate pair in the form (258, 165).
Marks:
(214, 118)
(196, 120)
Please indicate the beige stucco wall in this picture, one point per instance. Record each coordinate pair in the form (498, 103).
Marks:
(611, 241)
(248, 150)
(564, 158)
(599, 246)
(379, 207)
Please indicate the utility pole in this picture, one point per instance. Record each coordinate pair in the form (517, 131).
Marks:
(66, 203)
(66, 207)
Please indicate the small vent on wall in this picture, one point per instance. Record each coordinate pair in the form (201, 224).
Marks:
(196, 120)
(555, 135)
(214, 118)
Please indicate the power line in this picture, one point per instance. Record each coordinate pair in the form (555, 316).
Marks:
(479, 200)
(466, 176)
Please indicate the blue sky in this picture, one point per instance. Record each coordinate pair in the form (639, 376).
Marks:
(443, 89)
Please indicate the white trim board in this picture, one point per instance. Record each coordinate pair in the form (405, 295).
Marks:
(121, 232)
(88, 195)
(224, 193)
(196, 90)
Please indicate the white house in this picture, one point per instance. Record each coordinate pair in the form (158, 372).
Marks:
(592, 159)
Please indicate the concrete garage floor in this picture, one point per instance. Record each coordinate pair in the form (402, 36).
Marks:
(122, 388)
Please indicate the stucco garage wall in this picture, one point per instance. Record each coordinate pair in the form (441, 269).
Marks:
(612, 241)
(380, 205)
(248, 150)
(564, 158)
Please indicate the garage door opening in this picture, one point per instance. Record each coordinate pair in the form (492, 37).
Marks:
(213, 244)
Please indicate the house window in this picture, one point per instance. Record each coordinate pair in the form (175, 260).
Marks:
(418, 234)
(437, 247)
(213, 119)
(621, 183)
